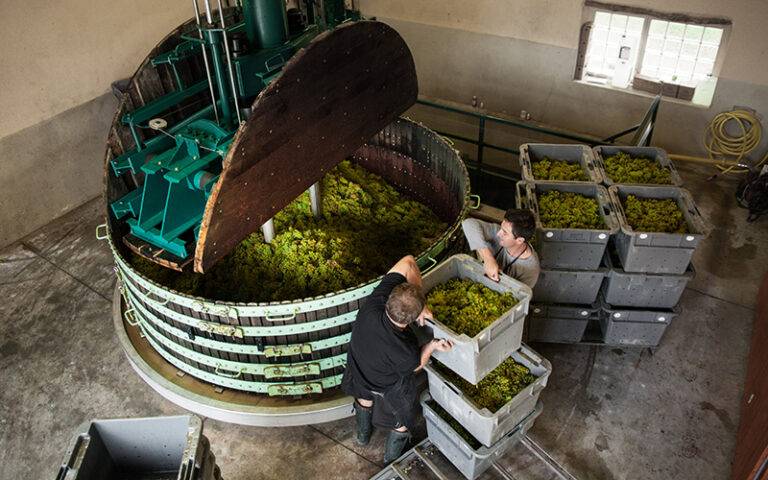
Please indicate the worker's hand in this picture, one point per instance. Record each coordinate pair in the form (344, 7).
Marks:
(492, 269)
(426, 314)
(442, 344)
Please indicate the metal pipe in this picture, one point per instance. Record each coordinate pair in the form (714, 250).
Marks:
(205, 60)
(229, 64)
(221, 82)
(268, 229)
(316, 199)
(208, 15)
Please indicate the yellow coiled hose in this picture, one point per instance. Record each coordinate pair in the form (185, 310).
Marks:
(726, 151)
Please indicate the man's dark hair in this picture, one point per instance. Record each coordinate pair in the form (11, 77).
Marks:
(405, 303)
(523, 222)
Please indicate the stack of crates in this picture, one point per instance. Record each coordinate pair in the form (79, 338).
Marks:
(160, 448)
(648, 270)
(566, 297)
(628, 296)
(472, 359)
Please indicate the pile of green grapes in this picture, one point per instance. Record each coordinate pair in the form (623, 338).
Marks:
(497, 388)
(455, 425)
(549, 169)
(654, 215)
(467, 307)
(569, 210)
(623, 168)
(365, 227)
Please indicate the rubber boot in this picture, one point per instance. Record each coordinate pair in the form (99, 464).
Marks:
(396, 443)
(364, 423)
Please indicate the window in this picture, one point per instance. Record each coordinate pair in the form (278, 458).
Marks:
(638, 49)
(680, 53)
(610, 32)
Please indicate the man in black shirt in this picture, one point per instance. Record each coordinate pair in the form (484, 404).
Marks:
(384, 354)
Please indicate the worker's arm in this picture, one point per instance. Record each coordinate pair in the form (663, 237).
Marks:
(441, 345)
(408, 268)
(481, 237)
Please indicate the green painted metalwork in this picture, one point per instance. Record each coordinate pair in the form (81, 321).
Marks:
(164, 211)
(170, 201)
(265, 22)
(239, 331)
(267, 370)
(268, 351)
(272, 389)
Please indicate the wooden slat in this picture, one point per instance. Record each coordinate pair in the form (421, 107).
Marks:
(752, 440)
(331, 98)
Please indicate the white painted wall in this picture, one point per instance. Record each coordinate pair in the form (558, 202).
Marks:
(57, 55)
(557, 22)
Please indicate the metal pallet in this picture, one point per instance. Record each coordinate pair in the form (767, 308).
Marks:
(524, 461)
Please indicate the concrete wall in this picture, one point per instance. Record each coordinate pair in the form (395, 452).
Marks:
(58, 60)
(521, 54)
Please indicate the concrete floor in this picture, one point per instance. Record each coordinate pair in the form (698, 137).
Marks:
(609, 412)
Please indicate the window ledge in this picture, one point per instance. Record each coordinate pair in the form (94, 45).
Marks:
(701, 99)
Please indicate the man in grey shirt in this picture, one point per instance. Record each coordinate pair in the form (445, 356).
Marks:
(506, 248)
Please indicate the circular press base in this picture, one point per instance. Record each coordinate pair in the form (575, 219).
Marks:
(226, 405)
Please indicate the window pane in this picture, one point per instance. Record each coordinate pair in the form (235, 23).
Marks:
(618, 22)
(635, 24)
(668, 62)
(658, 27)
(712, 35)
(602, 18)
(654, 43)
(708, 52)
(675, 30)
(689, 50)
(694, 32)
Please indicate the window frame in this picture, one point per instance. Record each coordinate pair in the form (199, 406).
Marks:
(593, 6)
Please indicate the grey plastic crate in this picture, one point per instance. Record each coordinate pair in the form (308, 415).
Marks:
(472, 463)
(568, 285)
(660, 156)
(472, 358)
(560, 323)
(581, 154)
(172, 448)
(655, 252)
(575, 248)
(634, 326)
(649, 290)
(486, 426)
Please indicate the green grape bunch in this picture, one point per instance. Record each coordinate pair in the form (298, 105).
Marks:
(468, 307)
(569, 210)
(550, 169)
(654, 215)
(496, 389)
(455, 425)
(623, 168)
(365, 227)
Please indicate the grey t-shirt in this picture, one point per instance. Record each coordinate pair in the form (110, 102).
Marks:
(482, 234)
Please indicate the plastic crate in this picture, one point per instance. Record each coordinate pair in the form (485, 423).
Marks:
(657, 154)
(560, 323)
(582, 154)
(160, 448)
(650, 290)
(472, 358)
(489, 427)
(637, 327)
(472, 463)
(575, 248)
(655, 252)
(568, 285)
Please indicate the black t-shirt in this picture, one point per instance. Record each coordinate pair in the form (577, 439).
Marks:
(380, 356)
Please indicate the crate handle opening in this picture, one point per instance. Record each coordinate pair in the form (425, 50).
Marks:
(284, 318)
